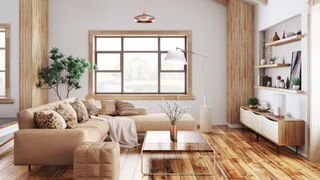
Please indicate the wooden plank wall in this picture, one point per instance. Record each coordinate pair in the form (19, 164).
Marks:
(34, 47)
(240, 57)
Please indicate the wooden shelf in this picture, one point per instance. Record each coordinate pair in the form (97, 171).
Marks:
(285, 41)
(281, 90)
(272, 66)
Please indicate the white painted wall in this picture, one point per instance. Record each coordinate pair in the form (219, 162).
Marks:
(70, 21)
(275, 12)
(9, 13)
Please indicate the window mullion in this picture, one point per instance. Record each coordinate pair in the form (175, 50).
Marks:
(159, 66)
(121, 65)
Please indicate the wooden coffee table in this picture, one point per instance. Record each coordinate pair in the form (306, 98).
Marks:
(187, 156)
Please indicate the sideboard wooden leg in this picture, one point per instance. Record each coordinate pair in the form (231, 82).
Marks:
(242, 127)
(297, 148)
(29, 167)
(257, 137)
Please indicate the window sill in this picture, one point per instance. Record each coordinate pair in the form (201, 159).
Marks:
(6, 101)
(141, 97)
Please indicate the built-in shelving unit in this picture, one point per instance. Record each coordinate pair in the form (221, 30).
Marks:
(285, 41)
(280, 89)
(272, 65)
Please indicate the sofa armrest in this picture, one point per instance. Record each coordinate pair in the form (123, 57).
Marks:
(141, 110)
(47, 146)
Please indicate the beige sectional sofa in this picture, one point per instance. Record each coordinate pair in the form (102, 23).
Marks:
(33, 146)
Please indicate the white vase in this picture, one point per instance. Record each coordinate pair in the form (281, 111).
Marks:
(281, 84)
(263, 62)
(296, 87)
(278, 83)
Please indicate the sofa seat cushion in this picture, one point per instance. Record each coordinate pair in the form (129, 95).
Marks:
(160, 122)
(97, 129)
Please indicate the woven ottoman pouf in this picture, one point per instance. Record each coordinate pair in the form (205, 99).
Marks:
(97, 161)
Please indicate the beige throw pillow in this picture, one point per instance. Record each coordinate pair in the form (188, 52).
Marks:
(126, 109)
(80, 109)
(69, 117)
(90, 100)
(108, 107)
(91, 108)
(49, 119)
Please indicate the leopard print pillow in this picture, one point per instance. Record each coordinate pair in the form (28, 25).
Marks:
(91, 108)
(82, 114)
(68, 116)
(126, 109)
(49, 120)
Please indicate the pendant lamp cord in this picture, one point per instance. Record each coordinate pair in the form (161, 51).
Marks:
(144, 6)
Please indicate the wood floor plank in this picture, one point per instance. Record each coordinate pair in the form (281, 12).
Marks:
(247, 158)
(50, 173)
(279, 162)
(213, 166)
(242, 167)
(19, 173)
(270, 166)
(236, 151)
(199, 165)
(127, 171)
(4, 175)
(292, 161)
(6, 162)
(227, 166)
(224, 146)
(123, 154)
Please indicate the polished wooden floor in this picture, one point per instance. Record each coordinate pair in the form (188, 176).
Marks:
(238, 156)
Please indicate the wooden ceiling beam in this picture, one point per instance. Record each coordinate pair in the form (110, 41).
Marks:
(262, 2)
(224, 2)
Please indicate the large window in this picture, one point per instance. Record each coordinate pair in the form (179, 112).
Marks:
(5, 64)
(134, 64)
(131, 64)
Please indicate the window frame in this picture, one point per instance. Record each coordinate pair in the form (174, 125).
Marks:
(6, 99)
(187, 95)
(121, 70)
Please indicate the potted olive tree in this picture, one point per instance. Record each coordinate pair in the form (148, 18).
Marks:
(253, 102)
(61, 71)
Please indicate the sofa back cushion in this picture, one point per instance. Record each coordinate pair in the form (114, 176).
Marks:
(26, 117)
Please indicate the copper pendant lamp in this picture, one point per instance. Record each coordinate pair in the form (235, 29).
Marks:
(144, 18)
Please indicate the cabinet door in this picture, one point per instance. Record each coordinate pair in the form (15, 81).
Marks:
(270, 129)
(256, 122)
(244, 116)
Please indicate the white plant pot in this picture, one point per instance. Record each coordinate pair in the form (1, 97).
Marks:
(296, 87)
(263, 62)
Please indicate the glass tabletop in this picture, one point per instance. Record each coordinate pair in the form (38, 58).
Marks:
(187, 141)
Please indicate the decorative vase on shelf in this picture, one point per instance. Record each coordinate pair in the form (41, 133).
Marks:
(173, 132)
(279, 104)
(275, 37)
(263, 62)
(296, 87)
(282, 83)
(271, 62)
(278, 81)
